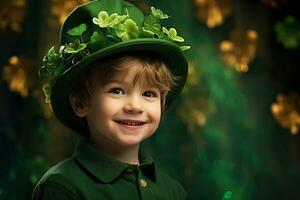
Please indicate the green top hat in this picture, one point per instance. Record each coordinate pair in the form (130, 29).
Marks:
(99, 29)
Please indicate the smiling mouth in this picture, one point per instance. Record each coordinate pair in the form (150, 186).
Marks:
(130, 123)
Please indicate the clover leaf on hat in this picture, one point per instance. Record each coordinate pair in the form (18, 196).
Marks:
(78, 31)
(172, 34)
(127, 30)
(97, 40)
(183, 48)
(75, 47)
(158, 13)
(51, 65)
(152, 27)
(104, 20)
(47, 92)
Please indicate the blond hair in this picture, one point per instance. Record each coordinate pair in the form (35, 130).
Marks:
(152, 72)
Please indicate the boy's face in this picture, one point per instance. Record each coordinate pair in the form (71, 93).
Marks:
(121, 113)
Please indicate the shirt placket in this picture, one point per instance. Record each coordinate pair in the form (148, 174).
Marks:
(144, 185)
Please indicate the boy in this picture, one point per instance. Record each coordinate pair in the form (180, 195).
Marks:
(111, 89)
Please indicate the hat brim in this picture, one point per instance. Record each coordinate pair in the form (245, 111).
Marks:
(170, 53)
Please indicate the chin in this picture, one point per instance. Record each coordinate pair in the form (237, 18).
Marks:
(130, 141)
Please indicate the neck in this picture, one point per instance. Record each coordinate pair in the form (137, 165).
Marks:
(127, 154)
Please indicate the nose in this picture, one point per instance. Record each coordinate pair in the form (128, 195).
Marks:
(133, 104)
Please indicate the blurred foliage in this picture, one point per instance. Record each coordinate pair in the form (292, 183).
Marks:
(288, 32)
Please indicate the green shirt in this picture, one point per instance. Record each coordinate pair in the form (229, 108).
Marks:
(91, 174)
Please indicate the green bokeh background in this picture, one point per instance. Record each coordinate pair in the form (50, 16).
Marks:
(241, 152)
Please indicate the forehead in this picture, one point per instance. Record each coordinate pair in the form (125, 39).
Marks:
(127, 70)
(134, 73)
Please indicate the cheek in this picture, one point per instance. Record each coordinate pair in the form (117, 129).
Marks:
(155, 113)
(110, 108)
(106, 109)
(101, 109)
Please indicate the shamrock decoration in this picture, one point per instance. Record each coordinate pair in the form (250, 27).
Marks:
(51, 65)
(97, 40)
(183, 48)
(75, 47)
(78, 31)
(128, 30)
(152, 27)
(112, 29)
(172, 34)
(105, 21)
(157, 13)
(47, 92)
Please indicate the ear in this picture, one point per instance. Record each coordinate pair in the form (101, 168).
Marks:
(79, 108)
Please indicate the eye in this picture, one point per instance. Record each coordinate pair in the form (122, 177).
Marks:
(116, 91)
(150, 94)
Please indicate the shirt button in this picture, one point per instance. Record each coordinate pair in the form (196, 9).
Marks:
(143, 183)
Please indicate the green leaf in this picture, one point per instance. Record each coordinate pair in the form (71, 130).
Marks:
(157, 13)
(172, 34)
(151, 27)
(122, 18)
(61, 50)
(183, 48)
(72, 50)
(45, 71)
(97, 37)
(97, 40)
(128, 30)
(59, 70)
(47, 92)
(77, 31)
(147, 33)
(75, 47)
(104, 20)
(51, 56)
(51, 61)
(150, 20)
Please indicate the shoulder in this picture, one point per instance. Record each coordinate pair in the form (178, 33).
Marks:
(57, 182)
(170, 185)
(60, 173)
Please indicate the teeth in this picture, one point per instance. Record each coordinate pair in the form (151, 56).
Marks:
(131, 123)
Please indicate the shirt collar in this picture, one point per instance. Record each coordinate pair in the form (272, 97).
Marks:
(106, 168)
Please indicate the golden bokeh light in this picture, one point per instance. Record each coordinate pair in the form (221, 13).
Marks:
(286, 111)
(240, 50)
(19, 74)
(193, 74)
(194, 112)
(12, 14)
(14, 60)
(194, 108)
(60, 9)
(212, 12)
